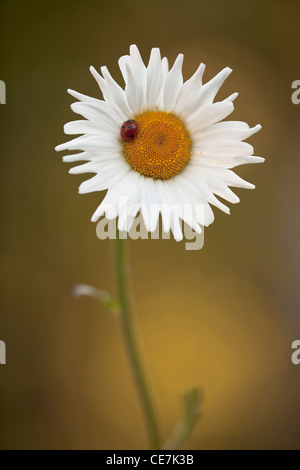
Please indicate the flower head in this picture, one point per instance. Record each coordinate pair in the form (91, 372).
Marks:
(160, 143)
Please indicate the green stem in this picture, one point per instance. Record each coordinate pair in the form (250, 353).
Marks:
(131, 346)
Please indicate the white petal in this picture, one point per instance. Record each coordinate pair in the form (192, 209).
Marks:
(92, 155)
(138, 64)
(231, 179)
(246, 160)
(122, 63)
(173, 83)
(165, 66)
(209, 115)
(134, 72)
(99, 113)
(186, 204)
(198, 190)
(117, 93)
(190, 90)
(82, 127)
(130, 207)
(109, 176)
(83, 98)
(221, 189)
(96, 165)
(219, 132)
(150, 204)
(168, 198)
(234, 124)
(93, 143)
(205, 94)
(117, 195)
(154, 79)
(211, 88)
(221, 149)
(210, 172)
(134, 91)
(176, 226)
(110, 94)
(77, 157)
(165, 70)
(165, 204)
(200, 181)
(232, 97)
(215, 201)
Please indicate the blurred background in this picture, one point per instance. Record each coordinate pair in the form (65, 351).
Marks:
(222, 318)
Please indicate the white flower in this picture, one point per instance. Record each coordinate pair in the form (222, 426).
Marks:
(181, 155)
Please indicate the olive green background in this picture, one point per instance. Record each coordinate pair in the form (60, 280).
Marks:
(222, 318)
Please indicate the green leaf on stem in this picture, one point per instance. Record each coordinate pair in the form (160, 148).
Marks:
(183, 430)
(105, 297)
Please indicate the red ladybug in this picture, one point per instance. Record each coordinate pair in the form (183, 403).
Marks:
(129, 130)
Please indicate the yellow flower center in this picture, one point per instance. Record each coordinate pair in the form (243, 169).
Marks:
(162, 146)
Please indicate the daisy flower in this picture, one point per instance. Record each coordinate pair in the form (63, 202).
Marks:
(160, 144)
